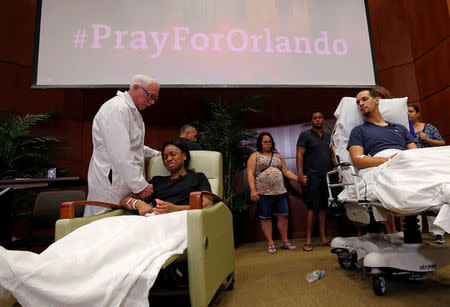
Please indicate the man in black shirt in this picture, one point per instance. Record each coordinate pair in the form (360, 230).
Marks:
(188, 134)
(314, 160)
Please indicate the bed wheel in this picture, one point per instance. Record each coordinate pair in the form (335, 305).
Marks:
(345, 263)
(379, 285)
(229, 282)
(346, 260)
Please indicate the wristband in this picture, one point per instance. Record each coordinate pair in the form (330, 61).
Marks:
(131, 203)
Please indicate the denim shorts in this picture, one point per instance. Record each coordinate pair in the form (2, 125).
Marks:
(269, 205)
(316, 193)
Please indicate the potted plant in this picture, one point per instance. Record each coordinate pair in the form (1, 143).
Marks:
(23, 155)
(224, 131)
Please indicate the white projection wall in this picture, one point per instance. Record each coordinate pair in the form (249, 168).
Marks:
(196, 43)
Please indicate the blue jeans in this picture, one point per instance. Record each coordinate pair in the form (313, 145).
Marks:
(269, 205)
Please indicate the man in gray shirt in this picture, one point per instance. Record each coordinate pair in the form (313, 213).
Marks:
(314, 160)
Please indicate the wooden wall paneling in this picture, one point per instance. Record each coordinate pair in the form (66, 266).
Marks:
(93, 100)
(286, 106)
(71, 133)
(17, 31)
(86, 147)
(436, 110)
(432, 69)
(20, 98)
(447, 139)
(428, 24)
(178, 105)
(400, 81)
(156, 135)
(73, 107)
(279, 105)
(390, 33)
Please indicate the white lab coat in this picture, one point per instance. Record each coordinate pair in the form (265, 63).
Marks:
(118, 137)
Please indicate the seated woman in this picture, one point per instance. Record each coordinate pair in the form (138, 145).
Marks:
(133, 260)
(171, 193)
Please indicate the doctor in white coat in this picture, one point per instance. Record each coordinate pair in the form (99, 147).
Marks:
(117, 163)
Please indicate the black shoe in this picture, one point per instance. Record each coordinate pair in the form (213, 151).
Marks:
(438, 239)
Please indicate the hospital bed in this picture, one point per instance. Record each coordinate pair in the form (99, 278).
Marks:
(210, 247)
(378, 254)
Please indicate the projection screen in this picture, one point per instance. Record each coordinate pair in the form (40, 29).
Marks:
(203, 43)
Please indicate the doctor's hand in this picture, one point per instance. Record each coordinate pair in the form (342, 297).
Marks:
(143, 208)
(146, 192)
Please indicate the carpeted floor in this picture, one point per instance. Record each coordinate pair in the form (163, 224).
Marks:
(279, 280)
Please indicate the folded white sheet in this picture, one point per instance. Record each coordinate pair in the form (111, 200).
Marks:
(110, 262)
(413, 181)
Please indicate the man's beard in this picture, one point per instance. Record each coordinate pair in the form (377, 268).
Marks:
(365, 113)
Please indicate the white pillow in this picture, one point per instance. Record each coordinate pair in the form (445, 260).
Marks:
(348, 116)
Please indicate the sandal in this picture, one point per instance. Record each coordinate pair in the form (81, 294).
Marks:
(287, 245)
(271, 249)
(307, 248)
(326, 243)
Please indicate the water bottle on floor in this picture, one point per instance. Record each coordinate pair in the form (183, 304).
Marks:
(315, 275)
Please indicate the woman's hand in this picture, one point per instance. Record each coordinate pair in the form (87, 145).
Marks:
(143, 208)
(254, 196)
(302, 179)
(423, 137)
(165, 207)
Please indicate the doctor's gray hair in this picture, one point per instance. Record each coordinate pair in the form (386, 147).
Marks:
(142, 80)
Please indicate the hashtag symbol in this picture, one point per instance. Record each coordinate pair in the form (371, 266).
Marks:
(79, 38)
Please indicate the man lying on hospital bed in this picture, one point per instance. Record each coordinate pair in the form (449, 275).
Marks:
(404, 181)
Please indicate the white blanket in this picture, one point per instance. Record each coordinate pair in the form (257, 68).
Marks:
(410, 183)
(110, 262)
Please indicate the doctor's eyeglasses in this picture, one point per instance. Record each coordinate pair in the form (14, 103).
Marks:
(150, 95)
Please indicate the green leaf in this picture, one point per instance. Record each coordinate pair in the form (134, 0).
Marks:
(21, 153)
(224, 131)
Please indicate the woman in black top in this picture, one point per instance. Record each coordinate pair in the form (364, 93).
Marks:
(171, 193)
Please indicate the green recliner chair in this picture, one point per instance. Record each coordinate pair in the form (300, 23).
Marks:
(210, 251)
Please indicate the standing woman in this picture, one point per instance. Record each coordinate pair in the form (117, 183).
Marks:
(427, 136)
(265, 170)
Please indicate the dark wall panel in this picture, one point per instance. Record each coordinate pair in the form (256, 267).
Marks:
(401, 81)
(412, 47)
(18, 97)
(391, 35)
(17, 31)
(428, 24)
(436, 110)
(411, 50)
(432, 69)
